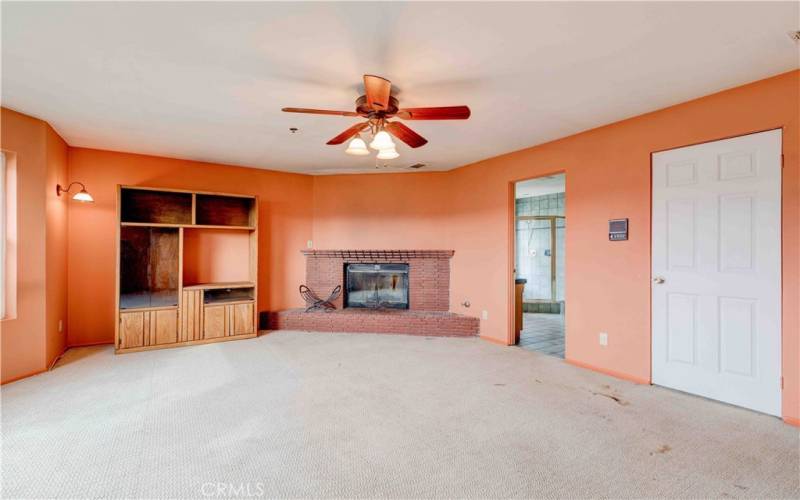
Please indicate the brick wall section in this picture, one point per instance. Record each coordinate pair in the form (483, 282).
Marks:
(428, 273)
(424, 323)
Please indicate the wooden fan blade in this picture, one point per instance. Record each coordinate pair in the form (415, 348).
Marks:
(440, 113)
(378, 90)
(358, 127)
(405, 134)
(319, 111)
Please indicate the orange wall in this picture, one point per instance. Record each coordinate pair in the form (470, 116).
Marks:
(55, 245)
(30, 340)
(380, 211)
(284, 227)
(608, 176)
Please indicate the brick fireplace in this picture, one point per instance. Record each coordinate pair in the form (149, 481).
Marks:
(428, 296)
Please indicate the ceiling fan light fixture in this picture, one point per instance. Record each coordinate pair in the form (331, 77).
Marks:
(357, 147)
(381, 141)
(388, 154)
(378, 107)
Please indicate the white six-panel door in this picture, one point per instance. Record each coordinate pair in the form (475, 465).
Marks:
(716, 270)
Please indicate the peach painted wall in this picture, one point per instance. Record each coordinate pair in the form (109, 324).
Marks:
(405, 211)
(30, 340)
(608, 176)
(56, 208)
(284, 227)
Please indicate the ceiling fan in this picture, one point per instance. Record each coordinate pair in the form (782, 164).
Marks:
(378, 106)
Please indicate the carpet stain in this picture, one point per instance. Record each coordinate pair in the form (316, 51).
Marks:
(612, 397)
(664, 448)
(740, 487)
(500, 385)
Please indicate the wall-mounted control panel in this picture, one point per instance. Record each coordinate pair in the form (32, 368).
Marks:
(618, 229)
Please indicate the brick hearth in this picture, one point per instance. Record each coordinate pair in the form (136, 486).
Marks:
(429, 296)
(427, 323)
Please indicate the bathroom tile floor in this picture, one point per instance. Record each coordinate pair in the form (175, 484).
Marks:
(543, 333)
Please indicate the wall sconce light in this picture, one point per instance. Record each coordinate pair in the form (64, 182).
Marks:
(82, 195)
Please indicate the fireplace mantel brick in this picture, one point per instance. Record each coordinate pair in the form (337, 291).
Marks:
(380, 254)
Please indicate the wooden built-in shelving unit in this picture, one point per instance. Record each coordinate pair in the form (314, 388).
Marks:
(158, 230)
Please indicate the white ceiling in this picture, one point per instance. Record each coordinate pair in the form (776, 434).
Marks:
(206, 81)
(540, 186)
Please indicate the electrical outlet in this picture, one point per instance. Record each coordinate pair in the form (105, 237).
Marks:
(484, 314)
(603, 338)
(60, 325)
(310, 244)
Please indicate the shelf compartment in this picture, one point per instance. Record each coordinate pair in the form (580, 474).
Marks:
(217, 210)
(213, 286)
(188, 226)
(148, 267)
(155, 207)
(216, 256)
(227, 295)
(148, 300)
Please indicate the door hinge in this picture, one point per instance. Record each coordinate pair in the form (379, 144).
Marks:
(783, 161)
(781, 383)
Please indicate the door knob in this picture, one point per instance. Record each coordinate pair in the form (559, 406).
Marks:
(658, 280)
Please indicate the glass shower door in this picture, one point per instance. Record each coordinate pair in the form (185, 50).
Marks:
(534, 253)
(540, 257)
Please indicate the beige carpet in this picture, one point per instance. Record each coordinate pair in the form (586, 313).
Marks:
(340, 415)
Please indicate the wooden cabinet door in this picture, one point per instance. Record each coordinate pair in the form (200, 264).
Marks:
(214, 322)
(163, 326)
(131, 329)
(191, 316)
(241, 319)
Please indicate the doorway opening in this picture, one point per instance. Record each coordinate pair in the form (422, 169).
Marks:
(540, 229)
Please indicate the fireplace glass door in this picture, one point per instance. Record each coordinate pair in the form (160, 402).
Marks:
(377, 285)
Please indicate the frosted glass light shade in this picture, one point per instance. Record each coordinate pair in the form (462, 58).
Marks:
(83, 196)
(357, 147)
(388, 154)
(382, 141)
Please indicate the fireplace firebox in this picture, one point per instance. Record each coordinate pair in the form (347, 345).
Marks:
(376, 286)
